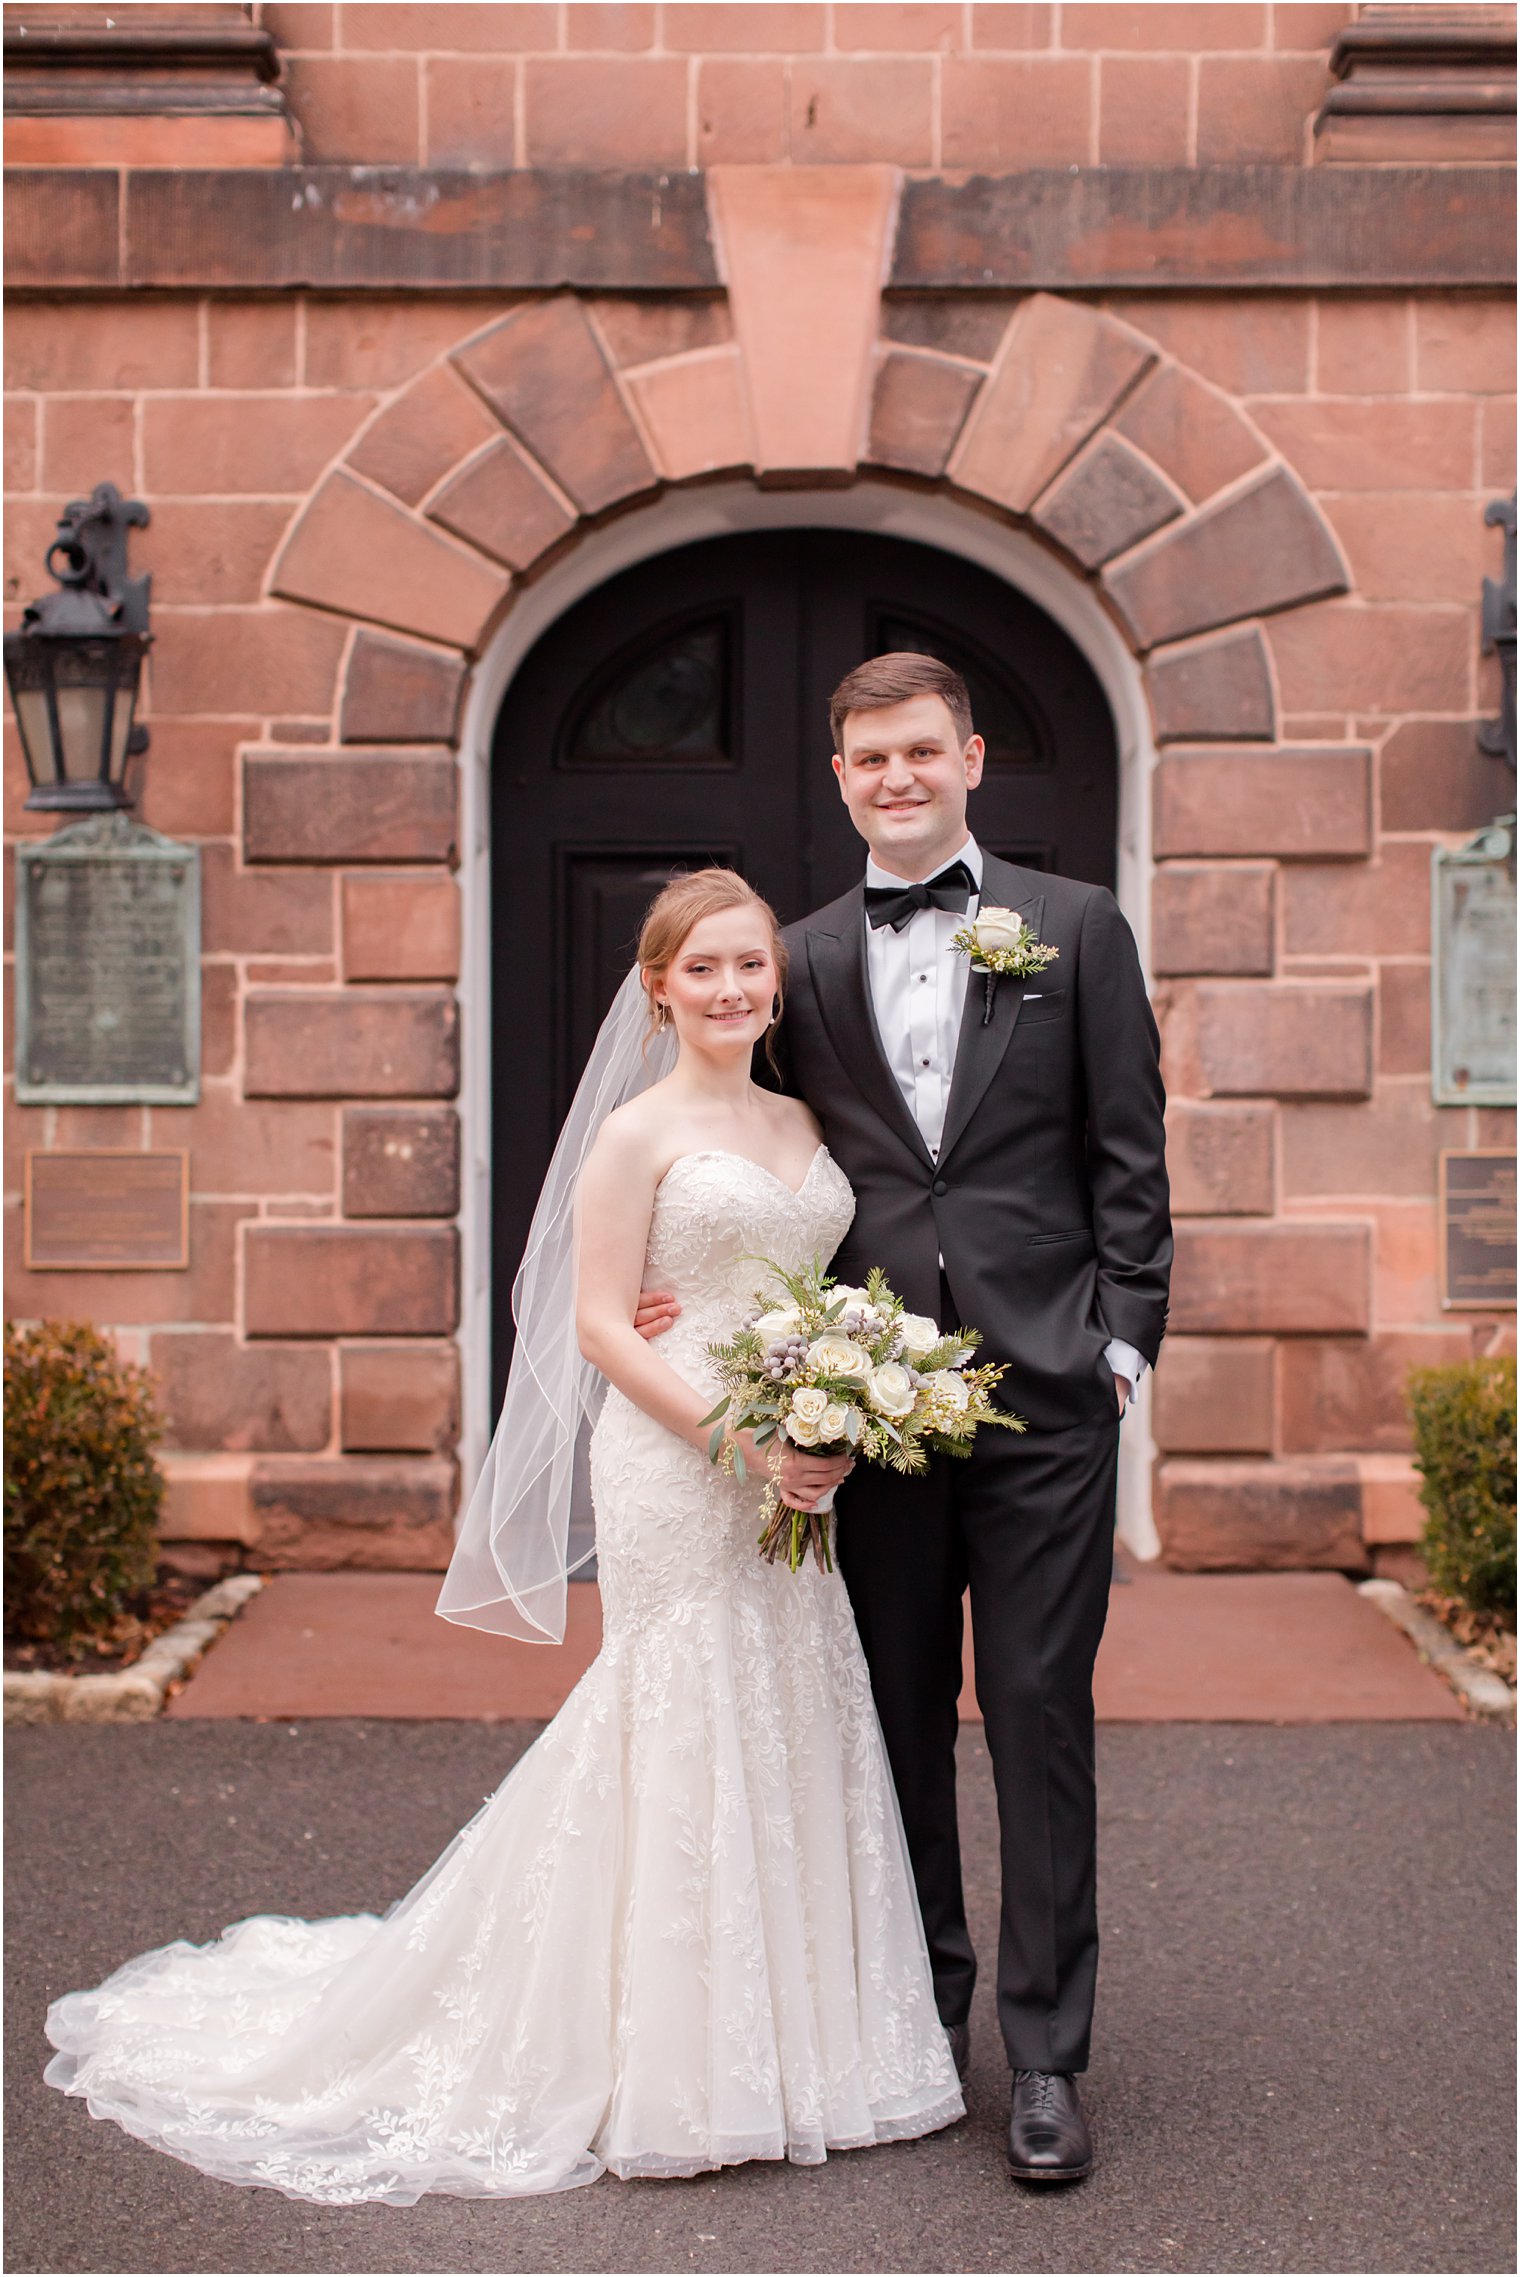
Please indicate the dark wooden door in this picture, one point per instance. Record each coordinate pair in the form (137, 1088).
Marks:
(679, 715)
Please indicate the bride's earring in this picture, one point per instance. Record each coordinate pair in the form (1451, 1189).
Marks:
(775, 1010)
(661, 1013)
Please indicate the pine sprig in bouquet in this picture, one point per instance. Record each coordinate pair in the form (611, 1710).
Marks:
(841, 1370)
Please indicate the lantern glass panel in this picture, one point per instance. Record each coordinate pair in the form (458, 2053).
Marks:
(34, 722)
(83, 713)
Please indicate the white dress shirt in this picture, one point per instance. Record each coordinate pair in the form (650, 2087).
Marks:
(918, 981)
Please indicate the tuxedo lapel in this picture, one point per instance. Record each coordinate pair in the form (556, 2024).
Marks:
(837, 962)
(981, 1045)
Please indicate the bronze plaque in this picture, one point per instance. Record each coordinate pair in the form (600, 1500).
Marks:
(1478, 1229)
(106, 1209)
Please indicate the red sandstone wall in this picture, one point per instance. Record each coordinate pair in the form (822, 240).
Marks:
(924, 84)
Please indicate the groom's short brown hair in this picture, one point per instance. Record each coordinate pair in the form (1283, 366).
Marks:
(892, 679)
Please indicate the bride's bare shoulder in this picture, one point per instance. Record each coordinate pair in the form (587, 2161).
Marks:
(796, 1115)
(629, 1141)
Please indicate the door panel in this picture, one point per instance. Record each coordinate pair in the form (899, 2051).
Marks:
(678, 715)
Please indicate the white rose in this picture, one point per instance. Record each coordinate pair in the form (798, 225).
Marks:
(919, 1334)
(836, 1355)
(997, 929)
(848, 1293)
(801, 1434)
(952, 1391)
(771, 1327)
(809, 1404)
(890, 1389)
(832, 1421)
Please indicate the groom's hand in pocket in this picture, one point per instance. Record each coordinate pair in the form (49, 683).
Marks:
(654, 1312)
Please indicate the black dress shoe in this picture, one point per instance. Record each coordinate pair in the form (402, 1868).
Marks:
(1048, 2139)
(959, 2036)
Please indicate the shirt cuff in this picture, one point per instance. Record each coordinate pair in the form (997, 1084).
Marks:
(1125, 1361)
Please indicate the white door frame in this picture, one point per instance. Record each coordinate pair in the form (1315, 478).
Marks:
(726, 509)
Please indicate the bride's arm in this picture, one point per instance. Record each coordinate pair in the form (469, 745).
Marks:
(614, 1203)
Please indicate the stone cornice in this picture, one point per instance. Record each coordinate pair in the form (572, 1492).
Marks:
(359, 229)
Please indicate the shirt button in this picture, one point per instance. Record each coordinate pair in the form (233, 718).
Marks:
(923, 1063)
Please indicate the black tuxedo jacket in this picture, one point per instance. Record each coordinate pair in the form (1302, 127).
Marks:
(1048, 1201)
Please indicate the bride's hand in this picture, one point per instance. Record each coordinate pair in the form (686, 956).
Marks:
(654, 1313)
(802, 1477)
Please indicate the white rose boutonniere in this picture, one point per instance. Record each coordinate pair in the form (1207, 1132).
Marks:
(998, 941)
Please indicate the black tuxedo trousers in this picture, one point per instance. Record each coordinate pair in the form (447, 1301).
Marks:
(1043, 1222)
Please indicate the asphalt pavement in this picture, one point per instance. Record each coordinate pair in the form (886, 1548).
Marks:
(1303, 2058)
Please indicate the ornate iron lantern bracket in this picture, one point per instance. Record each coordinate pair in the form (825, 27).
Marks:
(1496, 737)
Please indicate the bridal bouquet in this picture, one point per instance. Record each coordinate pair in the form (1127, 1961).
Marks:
(845, 1371)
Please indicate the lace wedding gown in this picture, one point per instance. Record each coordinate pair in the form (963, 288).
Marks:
(681, 1933)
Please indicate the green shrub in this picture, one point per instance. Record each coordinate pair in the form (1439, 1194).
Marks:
(82, 1488)
(1464, 1427)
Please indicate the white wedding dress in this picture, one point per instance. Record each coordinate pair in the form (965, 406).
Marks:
(682, 1932)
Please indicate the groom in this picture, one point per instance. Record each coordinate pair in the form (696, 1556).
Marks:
(1009, 1174)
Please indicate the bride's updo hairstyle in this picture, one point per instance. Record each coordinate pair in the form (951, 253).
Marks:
(673, 915)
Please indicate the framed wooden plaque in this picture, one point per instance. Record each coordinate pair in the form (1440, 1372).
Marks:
(1478, 1229)
(107, 1209)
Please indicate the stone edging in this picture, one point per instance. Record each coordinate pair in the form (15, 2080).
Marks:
(1479, 1689)
(138, 1692)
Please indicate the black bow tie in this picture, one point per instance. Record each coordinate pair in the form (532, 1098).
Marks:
(897, 906)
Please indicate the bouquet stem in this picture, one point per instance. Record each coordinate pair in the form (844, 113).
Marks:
(798, 1531)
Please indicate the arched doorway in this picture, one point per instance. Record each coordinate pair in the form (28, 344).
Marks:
(678, 713)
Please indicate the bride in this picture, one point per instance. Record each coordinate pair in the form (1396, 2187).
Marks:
(683, 1931)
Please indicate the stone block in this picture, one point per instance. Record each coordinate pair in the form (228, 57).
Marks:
(806, 248)
(1222, 1158)
(399, 1398)
(400, 1162)
(1266, 547)
(1212, 920)
(1432, 776)
(1307, 1278)
(1255, 110)
(1462, 346)
(20, 443)
(1217, 689)
(351, 1044)
(1107, 501)
(378, 1513)
(649, 331)
(1413, 545)
(1403, 1019)
(500, 502)
(1172, 26)
(398, 692)
(1215, 1396)
(470, 111)
(1383, 1146)
(232, 662)
(249, 344)
(1219, 1516)
(326, 1280)
(971, 329)
(1143, 107)
(455, 26)
(120, 342)
(225, 443)
(400, 926)
(694, 413)
(846, 111)
(88, 439)
(355, 110)
(918, 409)
(210, 552)
(1344, 1393)
(1351, 442)
(935, 25)
(190, 791)
(1378, 908)
(218, 1395)
(206, 1500)
(604, 111)
(1243, 344)
(252, 1146)
(1191, 431)
(544, 375)
(1303, 804)
(1030, 110)
(627, 25)
(1309, 1040)
(1392, 1512)
(262, 912)
(1061, 369)
(1343, 657)
(202, 1293)
(361, 806)
(429, 428)
(741, 111)
(357, 552)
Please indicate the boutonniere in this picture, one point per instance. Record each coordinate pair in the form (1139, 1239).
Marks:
(998, 941)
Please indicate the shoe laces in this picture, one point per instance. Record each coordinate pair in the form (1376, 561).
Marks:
(1044, 2083)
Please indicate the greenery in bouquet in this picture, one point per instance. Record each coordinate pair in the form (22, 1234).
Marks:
(840, 1370)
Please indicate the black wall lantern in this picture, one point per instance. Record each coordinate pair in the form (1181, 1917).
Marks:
(75, 664)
